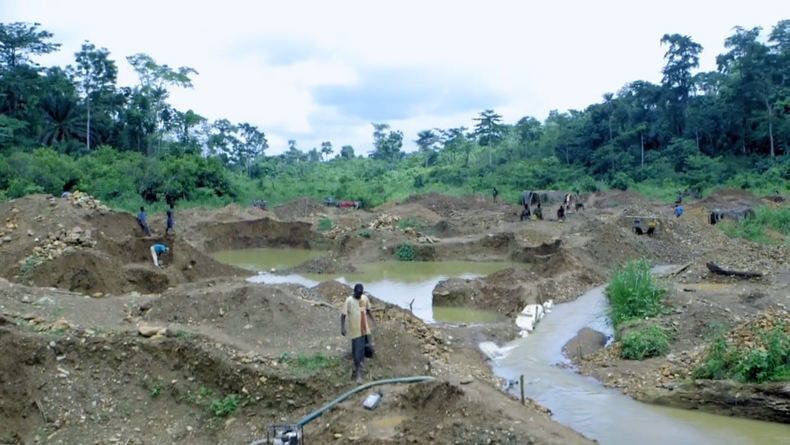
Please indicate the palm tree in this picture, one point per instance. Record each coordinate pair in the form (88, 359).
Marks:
(61, 121)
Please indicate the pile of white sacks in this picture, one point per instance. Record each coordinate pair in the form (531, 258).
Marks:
(527, 320)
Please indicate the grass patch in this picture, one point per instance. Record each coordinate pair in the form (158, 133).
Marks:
(769, 362)
(768, 226)
(365, 233)
(310, 364)
(408, 223)
(325, 225)
(634, 296)
(29, 265)
(645, 341)
(405, 252)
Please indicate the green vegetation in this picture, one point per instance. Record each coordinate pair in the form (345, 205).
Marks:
(365, 233)
(769, 225)
(74, 127)
(405, 252)
(634, 297)
(645, 341)
(408, 224)
(310, 364)
(769, 363)
(325, 224)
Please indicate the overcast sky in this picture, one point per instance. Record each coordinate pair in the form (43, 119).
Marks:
(324, 70)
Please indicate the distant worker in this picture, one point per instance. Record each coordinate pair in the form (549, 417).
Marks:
(360, 319)
(67, 194)
(678, 210)
(538, 213)
(142, 219)
(156, 250)
(496, 193)
(777, 196)
(525, 214)
(561, 213)
(171, 222)
(679, 199)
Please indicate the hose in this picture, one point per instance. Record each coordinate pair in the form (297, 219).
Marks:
(320, 411)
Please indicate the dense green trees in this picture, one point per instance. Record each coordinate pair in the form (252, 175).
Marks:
(75, 127)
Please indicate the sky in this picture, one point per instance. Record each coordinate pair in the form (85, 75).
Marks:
(315, 71)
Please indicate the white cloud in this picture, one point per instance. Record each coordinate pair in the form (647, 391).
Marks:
(555, 56)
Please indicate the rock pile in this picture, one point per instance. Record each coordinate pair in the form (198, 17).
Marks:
(385, 222)
(10, 226)
(55, 244)
(82, 200)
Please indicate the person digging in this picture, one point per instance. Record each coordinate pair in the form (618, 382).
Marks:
(156, 250)
(360, 320)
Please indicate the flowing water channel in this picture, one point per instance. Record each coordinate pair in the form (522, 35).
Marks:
(579, 402)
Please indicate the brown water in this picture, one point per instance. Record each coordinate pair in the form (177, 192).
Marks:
(605, 414)
(397, 282)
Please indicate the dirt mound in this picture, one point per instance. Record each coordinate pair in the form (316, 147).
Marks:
(586, 342)
(531, 254)
(500, 292)
(459, 411)
(615, 198)
(287, 319)
(729, 197)
(252, 234)
(449, 206)
(299, 208)
(118, 266)
(83, 389)
(321, 265)
(76, 244)
(433, 344)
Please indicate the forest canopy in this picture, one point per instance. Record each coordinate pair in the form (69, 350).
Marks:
(73, 127)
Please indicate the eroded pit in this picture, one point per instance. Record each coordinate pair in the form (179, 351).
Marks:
(406, 284)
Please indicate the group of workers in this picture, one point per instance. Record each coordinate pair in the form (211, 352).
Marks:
(158, 248)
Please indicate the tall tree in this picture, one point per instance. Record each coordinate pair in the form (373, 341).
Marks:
(96, 75)
(488, 130)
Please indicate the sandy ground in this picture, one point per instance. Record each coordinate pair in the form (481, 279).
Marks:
(96, 344)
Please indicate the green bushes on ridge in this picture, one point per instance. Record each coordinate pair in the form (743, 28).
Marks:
(768, 361)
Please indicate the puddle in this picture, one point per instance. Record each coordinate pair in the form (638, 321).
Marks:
(396, 282)
(607, 415)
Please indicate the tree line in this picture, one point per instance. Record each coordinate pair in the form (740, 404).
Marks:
(74, 127)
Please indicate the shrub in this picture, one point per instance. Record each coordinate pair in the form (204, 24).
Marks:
(405, 252)
(645, 341)
(633, 293)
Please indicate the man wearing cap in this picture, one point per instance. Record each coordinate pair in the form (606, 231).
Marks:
(360, 320)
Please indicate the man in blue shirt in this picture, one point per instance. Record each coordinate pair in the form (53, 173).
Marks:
(678, 210)
(170, 220)
(156, 250)
(142, 219)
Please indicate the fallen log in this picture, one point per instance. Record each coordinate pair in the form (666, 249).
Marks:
(732, 273)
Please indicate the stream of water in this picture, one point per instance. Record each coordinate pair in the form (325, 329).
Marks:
(577, 401)
(605, 414)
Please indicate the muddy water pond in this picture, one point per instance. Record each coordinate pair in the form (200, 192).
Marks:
(604, 414)
(395, 282)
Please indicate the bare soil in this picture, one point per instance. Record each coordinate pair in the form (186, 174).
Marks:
(74, 367)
